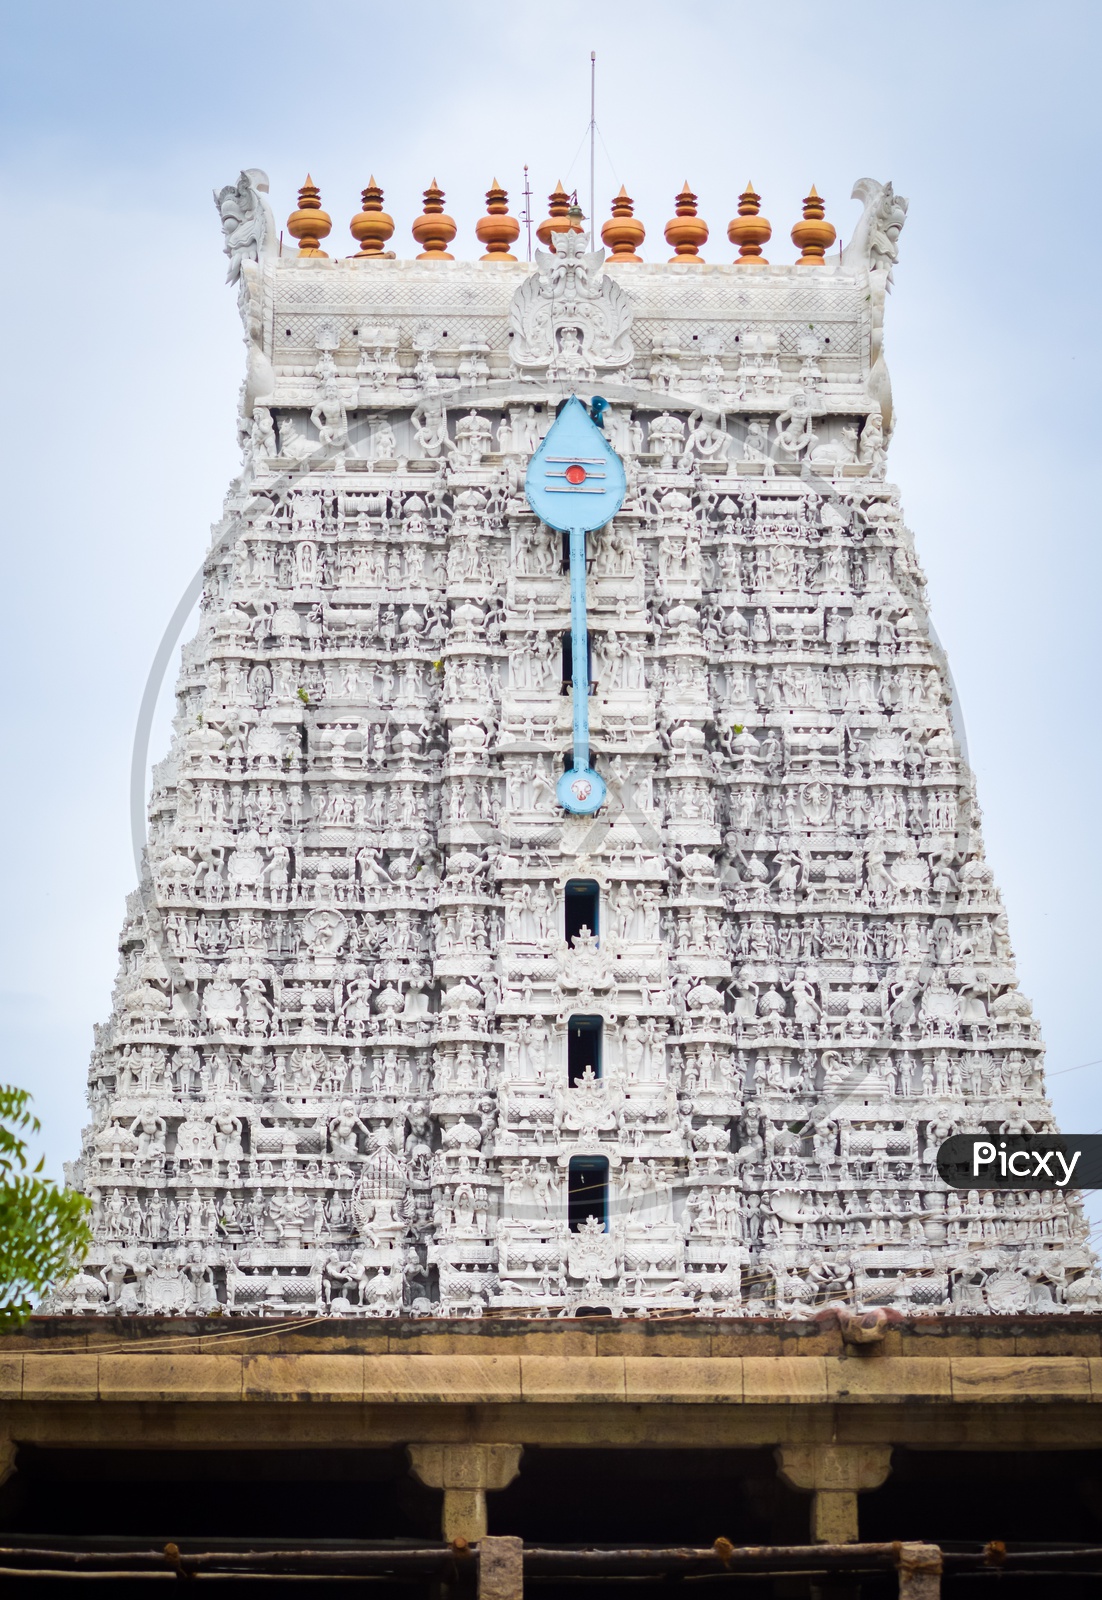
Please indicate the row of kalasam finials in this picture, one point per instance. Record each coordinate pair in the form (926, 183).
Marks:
(623, 233)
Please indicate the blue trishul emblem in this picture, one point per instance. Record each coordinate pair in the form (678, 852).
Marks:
(576, 483)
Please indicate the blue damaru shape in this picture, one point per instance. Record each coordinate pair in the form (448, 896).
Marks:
(576, 483)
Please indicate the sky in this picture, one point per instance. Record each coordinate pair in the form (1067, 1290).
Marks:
(123, 354)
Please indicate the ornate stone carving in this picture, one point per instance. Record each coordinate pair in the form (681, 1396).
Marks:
(247, 223)
(569, 320)
(336, 1077)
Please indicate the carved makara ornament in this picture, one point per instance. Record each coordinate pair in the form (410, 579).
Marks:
(246, 220)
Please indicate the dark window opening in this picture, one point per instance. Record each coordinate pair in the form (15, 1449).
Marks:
(588, 1193)
(568, 663)
(583, 1047)
(582, 902)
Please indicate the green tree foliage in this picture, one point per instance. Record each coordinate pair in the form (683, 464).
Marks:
(43, 1231)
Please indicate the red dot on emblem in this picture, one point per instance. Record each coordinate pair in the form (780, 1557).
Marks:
(575, 474)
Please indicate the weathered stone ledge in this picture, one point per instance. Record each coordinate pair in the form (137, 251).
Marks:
(1078, 1335)
(495, 1364)
(476, 1379)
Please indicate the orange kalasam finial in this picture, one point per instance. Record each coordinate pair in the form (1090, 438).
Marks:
(813, 235)
(433, 230)
(497, 229)
(371, 227)
(309, 224)
(748, 230)
(563, 218)
(686, 231)
(623, 233)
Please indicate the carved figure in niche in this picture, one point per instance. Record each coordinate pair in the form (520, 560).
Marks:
(287, 1212)
(114, 1276)
(706, 437)
(841, 452)
(473, 439)
(795, 434)
(258, 1008)
(806, 1009)
(384, 1292)
(324, 931)
(382, 444)
(221, 1002)
(571, 364)
(429, 422)
(331, 420)
(756, 447)
(263, 434)
(872, 450)
(528, 430)
(786, 876)
(666, 439)
(293, 442)
(379, 1193)
(226, 1134)
(343, 1129)
(148, 1130)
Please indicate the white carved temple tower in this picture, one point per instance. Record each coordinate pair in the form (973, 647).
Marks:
(396, 1034)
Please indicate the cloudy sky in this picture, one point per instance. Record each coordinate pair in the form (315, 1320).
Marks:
(123, 356)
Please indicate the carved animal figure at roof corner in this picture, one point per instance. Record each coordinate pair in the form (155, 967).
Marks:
(875, 241)
(247, 223)
(567, 295)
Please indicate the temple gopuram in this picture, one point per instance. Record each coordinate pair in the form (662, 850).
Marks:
(564, 944)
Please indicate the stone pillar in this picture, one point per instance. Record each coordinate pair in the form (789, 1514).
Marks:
(919, 1572)
(501, 1569)
(834, 1473)
(465, 1472)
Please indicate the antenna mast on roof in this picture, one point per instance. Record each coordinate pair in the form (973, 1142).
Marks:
(526, 214)
(592, 142)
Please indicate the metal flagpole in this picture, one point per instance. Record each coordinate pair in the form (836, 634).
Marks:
(579, 649)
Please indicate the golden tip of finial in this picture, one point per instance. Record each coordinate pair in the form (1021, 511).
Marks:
(559, 188)
(371, 184)
(623, 195)
(813, 193)
(685, 187)
(309, 182)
